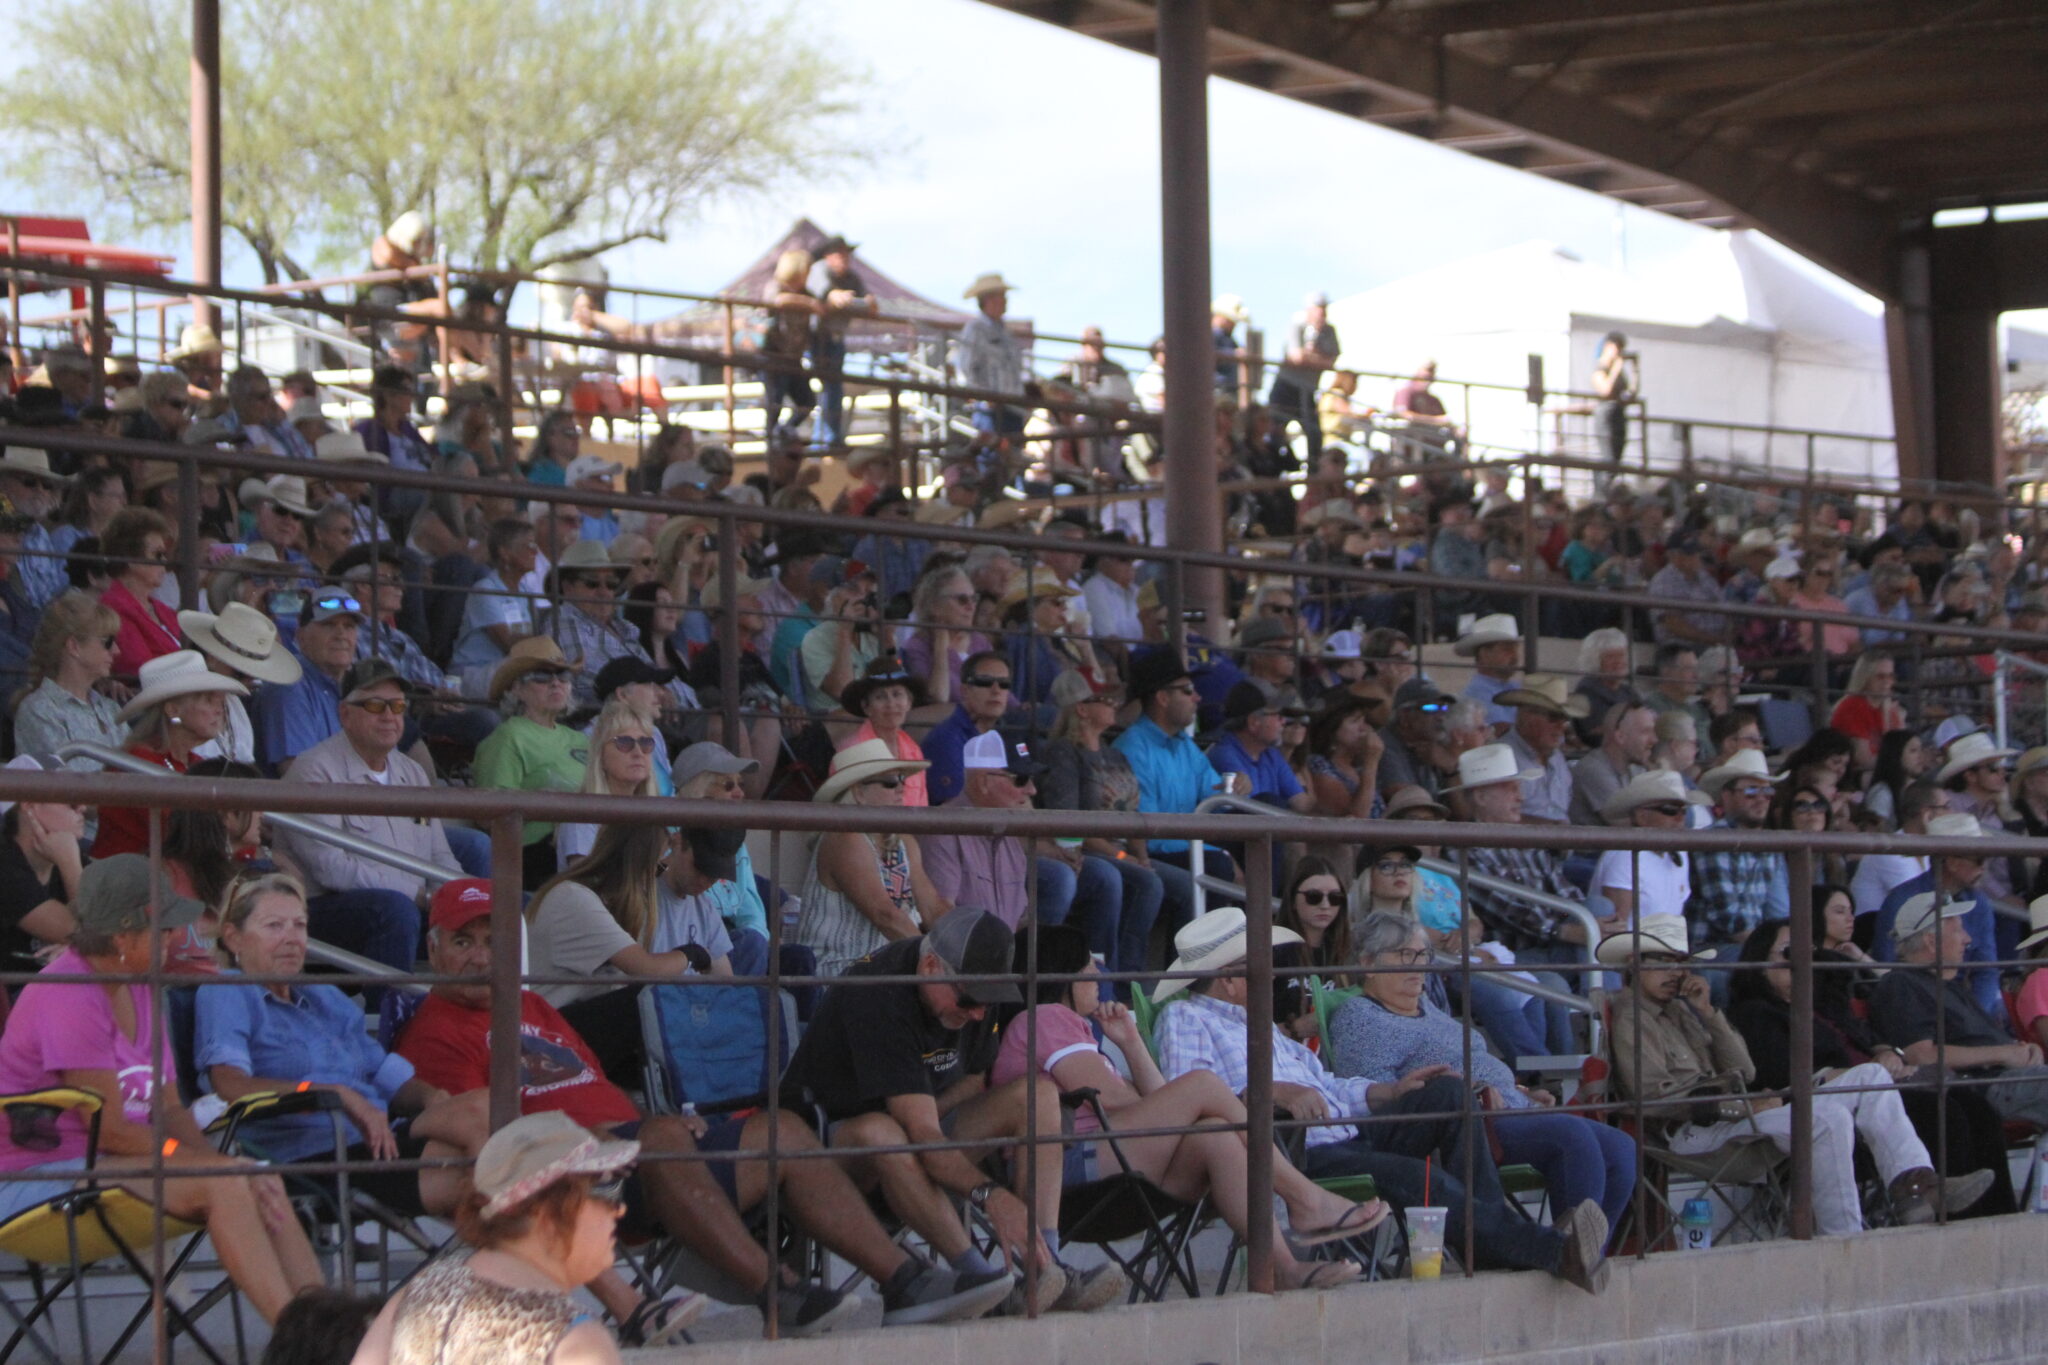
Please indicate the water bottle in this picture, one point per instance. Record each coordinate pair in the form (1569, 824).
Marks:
(2039, 1203)
(1696, 1225)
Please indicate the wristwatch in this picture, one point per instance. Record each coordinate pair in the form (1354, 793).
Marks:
(980, 1194)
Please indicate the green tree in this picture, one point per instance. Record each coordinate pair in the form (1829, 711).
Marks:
(534, 132)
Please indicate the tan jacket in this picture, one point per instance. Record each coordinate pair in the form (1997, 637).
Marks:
(1680, 1052)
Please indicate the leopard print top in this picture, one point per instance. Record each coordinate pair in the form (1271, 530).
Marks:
(453, 1316)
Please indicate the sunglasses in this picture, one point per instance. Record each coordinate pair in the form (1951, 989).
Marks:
(382, 706)
(1751, 791)
(611, 1191)
(549, 676)
(1393, 866)
(1666, 808)
(1320, 897)
(984, 680)
(633, 744)
(1808, 807)
(336, 602)
(892, 781)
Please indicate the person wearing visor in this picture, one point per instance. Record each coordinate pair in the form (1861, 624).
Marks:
(293, 717)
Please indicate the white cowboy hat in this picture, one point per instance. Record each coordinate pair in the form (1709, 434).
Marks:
(346, 447)
(1498, 629)
(1746, 763)
(408, 231)
(1756, 538)
(1546, 692)
(196, 339)
(1229, 306)
(1918, 914)
(177, 674)
(286, 490)
(1663, 935)
(1217, 939)
(1956, 824)
(1659, 784)
(1488, 764)
(2037, 913)
(991, 282)
(862, 762)
(244, 639)
(306, 409)
(1976, 747)
(2030, 760)
(27, 462)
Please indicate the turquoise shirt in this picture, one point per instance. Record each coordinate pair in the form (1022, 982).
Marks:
(1174, 775)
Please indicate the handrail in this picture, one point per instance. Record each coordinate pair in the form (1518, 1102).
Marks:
(312, 829)
(2003, 662)
(1574, 909)
(342, 959)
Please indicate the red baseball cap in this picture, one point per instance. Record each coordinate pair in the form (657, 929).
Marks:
(459, 902)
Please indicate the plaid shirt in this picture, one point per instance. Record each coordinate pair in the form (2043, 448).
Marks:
(1201, 1033)
(1517, 922)
(1734, 892)
(593, 644)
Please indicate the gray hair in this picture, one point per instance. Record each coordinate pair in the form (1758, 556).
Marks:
(981, 556)
(1717, 662)
(1600, 642)
(1380, 933)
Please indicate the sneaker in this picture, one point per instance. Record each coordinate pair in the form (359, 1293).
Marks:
(663, 1323)
(1584, 1261)
(1088, 1290)
(944, 1296)
(808, 1309)
(1052, 1282)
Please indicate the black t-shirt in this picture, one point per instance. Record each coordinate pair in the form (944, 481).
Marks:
(1904, 1004)
(869, 1043)
(20, 893)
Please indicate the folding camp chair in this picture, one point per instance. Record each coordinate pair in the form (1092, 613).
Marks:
(1123, 1206)
(90, 1224)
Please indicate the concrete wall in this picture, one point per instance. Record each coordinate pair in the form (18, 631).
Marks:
(1972, 1293)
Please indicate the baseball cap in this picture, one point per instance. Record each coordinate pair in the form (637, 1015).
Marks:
(716, 852)
(365, 674)
(1245, 700)
(684, 472)
(972, 942)
(459, 902)
(329, 603)
(706, 756)
(627, 670)
(1343, 644)
(1420, 692)
(591, 467)
(1684, 543)
(991, 752)
(115, 896)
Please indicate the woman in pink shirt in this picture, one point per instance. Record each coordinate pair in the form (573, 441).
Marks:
(1817, 593)
(883, 696)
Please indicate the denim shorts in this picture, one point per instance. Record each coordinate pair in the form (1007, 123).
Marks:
(19, 1196)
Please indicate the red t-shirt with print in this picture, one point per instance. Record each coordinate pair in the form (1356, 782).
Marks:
(449, 1046)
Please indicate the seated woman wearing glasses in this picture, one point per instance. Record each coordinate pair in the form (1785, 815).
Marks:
(1188, 1166)
(1392, 1034)
(865, 890)
(137, 541)
(622, 746)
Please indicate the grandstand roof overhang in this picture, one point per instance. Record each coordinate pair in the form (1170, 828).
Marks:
(1833, 125)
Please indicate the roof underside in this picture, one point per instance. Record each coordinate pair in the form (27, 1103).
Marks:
(1830, 124)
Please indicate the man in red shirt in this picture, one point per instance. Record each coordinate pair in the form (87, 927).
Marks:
(448, 1043)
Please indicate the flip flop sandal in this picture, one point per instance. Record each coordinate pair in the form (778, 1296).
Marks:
(1330, 1275)
(1344, 1228)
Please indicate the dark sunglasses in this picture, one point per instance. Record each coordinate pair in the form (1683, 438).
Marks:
(1393, 866)
(1321, 897)
(892, 781)
(1019, 779)
(984, 680)
(630, 744)
(379, 706)
(336, 602)
(1667, 808)
(611, 1191)
(1808, 807)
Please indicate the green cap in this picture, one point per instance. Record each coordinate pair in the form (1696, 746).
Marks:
(114, 897)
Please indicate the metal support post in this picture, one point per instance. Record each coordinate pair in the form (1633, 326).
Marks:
(1258, 1235)
(1799, 864)
(507, 875)
(205, 132)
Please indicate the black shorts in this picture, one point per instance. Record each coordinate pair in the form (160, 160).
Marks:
(723, 1135)
(395, 1190)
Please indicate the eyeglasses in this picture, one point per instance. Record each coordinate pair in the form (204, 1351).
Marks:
(1808, 807)
(1321, 897)
(1019, 780)
(106, 641)
(1750, 789)
(611, 1191)
(1409, 957)
(380, 706)
(633, 744)
(984, 680)
(1180, 688)
(1672, 808)
(1393, 866)
(892, 781)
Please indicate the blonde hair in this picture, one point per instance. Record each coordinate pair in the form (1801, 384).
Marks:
(73, 615)
(243, 894)
(792, 268)
(617, 719)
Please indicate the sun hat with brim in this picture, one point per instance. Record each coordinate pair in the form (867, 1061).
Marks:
(27, 462)
(1414, 798)
(1747, 763)
(1918, 914)
(990, 283)
(286, 490)
(1498, 629)
(1043, 582)
(887, 671)
(1548, 693)
(534, 654)
(180, 673)
(1215, 940)
(119, 895)
(196, 339)
(1490, 763)
(1972, 749)
(345, 447)
(529, 1154)
(862, 762)
(2036, 757)
(1649, 789)
(1653, 936)
(245, 640)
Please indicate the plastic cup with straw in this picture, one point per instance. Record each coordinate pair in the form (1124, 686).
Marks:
(1425, 1233)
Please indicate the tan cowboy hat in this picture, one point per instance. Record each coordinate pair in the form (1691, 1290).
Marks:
(1647, 789)
(1490, 763)
(28, 462)
(1043, 582)
(2033, 758)
(1498, 629)
(1229, 306)
(940, 512)
(1654, 935)
(344, 447)
(990, 283)
(196, 339)
(1976, 747)
(858, 763)
(244, 639)
(674, 529)
(177, 674)
(1747, 763)
(1412, 797)
(1215, 940)
(286, 490)
(1546, 692)
(534, 654)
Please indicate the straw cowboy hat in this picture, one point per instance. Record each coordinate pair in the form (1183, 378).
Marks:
(858, 763)
(712, 596)
(286, 490)
(343, 447)
(585, 556)
(938, 512)
(1488, 764)
(1747, 763)
(1229, 306)
(1217, 939)
(1976, 747)
(26, 462)
(1043, 582)
(1546, 692)
(534, 654)
(1412, 797)
(990, 283)
(177, 674)
(1648, 789)
(244, 639)
(2033, 758)
(1653, 936)
(1498, 629)
(196, 339)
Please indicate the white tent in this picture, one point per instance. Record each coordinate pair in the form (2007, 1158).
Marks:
(1735, 330)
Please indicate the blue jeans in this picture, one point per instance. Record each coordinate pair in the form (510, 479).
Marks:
(828, 361)
(378, 924)
(1091, 898)
(472, 849)
(1143, 890)
(1579, 1159)
(1520, 1025)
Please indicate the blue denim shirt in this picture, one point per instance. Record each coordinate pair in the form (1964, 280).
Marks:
(319, 1036)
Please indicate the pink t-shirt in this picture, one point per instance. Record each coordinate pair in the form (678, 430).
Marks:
(1061, 1033)
(63, 1027)
(2032, 1002)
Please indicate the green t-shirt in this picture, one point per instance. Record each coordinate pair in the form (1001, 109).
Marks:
(523, 756)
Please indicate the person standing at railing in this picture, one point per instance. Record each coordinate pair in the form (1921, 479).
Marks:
(843, 296)
(1617, 381)
(1312, 351)
(792, 313)
(406, 245)
(988, 355)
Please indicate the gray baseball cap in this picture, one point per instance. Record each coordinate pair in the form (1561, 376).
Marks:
(707, 757)
(114, 896)
(974, 942)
